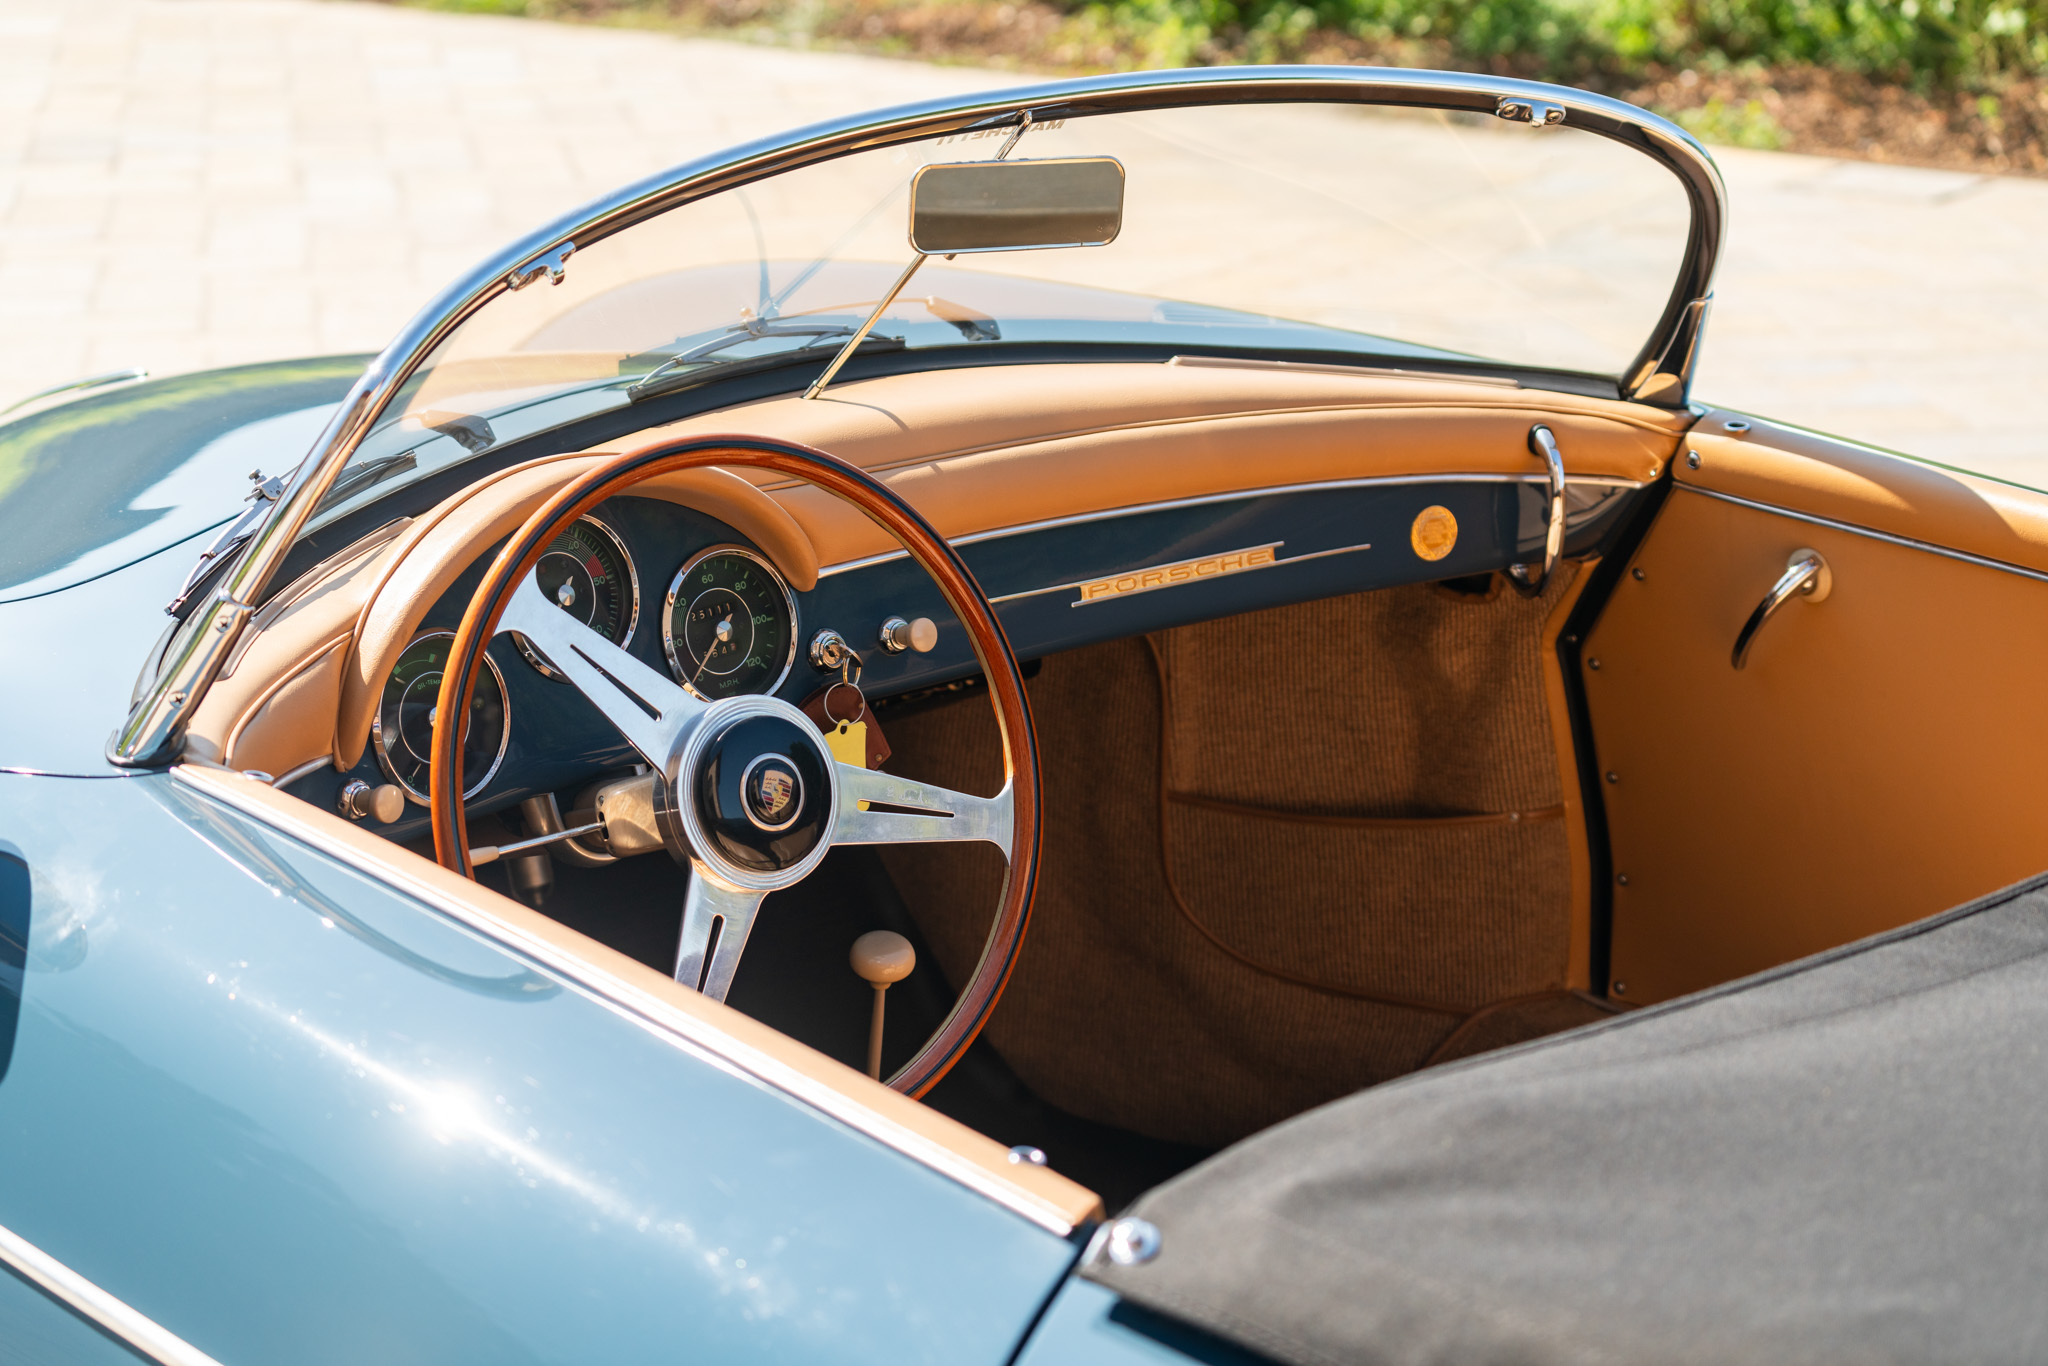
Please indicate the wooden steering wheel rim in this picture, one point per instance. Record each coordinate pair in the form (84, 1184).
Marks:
(930, 550)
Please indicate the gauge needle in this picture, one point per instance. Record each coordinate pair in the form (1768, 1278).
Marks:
(724, 633)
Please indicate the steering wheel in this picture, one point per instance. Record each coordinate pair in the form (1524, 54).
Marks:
(748, 798)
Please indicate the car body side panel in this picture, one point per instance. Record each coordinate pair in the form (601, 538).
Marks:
(1090, 1325)
(292, 1115)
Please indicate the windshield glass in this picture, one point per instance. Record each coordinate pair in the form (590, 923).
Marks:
(1315, 229)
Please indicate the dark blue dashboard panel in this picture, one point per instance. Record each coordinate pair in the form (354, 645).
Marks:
(1056, 587)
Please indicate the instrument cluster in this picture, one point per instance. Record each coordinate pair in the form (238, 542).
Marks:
(727, 625)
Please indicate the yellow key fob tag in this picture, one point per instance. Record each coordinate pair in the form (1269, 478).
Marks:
(848, 742)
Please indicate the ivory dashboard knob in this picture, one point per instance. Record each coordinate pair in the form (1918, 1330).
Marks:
(899, 635)
(882, 957)
(358, 799)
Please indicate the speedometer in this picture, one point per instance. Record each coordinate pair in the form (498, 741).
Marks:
(729, 624)
(588, 574)
(403, 728)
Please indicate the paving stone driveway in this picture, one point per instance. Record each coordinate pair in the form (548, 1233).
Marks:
(199, 182)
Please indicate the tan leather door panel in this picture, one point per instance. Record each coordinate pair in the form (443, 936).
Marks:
(1882, 756)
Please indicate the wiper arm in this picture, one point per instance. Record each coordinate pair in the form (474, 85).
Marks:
(261, 498)
(749, 330)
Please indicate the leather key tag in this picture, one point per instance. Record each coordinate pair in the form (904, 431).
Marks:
(855, 739)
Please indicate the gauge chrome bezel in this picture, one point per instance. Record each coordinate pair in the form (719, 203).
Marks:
(533, 656)
(377, 727)
(677, 652)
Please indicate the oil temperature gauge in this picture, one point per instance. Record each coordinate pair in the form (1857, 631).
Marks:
(588, 574)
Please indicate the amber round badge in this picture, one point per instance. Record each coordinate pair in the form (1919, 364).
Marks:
(1434, 533)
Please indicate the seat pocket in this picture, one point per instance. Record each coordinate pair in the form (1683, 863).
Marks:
(1444, 912)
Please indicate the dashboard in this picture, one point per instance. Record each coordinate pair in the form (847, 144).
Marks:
(688, 594)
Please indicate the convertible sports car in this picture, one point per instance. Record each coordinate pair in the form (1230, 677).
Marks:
(1128, 721)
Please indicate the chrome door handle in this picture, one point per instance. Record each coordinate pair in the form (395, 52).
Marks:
(1806, 576)
(1543, 444)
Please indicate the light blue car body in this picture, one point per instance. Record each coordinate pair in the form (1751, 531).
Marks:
(293, 1114)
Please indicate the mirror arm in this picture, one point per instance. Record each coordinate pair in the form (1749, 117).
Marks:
(818, 385)
(1023, 122)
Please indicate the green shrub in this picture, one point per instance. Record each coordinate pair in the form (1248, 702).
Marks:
(1949, 42)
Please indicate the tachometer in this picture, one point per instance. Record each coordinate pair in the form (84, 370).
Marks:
(729, 624)
(403, 728)
(589, 575)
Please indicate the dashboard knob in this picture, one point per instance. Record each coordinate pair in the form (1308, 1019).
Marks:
(899, 635)
(385, 801)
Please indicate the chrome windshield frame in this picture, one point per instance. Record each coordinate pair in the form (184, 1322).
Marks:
(152, 734)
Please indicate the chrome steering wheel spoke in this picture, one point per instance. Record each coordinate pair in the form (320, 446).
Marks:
(879, 808)
(650, 710)
(717, 918)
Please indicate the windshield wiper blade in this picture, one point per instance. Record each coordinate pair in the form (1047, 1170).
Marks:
(748, 331)
(665, 380)
(660, 377)
(369, 473)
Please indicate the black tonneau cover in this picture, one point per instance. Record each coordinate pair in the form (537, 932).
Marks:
(1842, 1160)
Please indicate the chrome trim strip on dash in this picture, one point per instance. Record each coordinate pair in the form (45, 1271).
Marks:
(1907, 541)
(114, 1317)
(1203, 500)
(699, 1037)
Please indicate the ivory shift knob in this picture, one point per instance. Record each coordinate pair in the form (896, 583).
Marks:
(882, 957)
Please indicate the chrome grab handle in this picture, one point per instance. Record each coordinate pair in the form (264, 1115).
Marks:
(1543, 444)
(1806, 576)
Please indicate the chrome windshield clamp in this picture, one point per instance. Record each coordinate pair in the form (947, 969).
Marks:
(1535, 113)
(1530, 580)
(553, 263)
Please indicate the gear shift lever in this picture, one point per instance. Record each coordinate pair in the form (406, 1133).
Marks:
(881, 957)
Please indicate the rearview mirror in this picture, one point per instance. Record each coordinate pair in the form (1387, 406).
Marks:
(975, 206)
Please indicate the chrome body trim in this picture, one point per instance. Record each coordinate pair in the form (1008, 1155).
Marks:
(153, 731)
(1603, 481)
(701, 1037)
(1906, 541)
(117, 1319)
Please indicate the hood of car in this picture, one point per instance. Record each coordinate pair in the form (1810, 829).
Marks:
(92, 485)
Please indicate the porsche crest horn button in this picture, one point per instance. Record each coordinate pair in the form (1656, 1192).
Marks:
(771, 792)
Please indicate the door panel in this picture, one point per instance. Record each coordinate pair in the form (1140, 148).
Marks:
(1882, 756)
